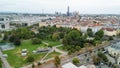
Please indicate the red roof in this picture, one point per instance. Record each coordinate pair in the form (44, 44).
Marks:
(108, 29)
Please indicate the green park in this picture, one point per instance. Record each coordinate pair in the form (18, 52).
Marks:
(28, 41)
(16, 60)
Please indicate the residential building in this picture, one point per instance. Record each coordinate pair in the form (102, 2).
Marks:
(4, 23)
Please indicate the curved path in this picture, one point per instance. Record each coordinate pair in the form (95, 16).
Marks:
(5, 63)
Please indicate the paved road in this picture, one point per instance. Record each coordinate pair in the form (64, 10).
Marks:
(82, 54)
(45, 56)
(111, 59)
(60, 51)
(5, 63)
(57, 50)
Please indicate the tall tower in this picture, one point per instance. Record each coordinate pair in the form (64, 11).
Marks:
(68, 11)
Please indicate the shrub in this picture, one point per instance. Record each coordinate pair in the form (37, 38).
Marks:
(39, 64)
(36, 41)
(75, 61)
(30, 59)
(33, 66)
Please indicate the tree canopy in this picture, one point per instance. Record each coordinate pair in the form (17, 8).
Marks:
(75, 61)
(89, 32)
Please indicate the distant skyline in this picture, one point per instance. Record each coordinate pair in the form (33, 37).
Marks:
(50, 6)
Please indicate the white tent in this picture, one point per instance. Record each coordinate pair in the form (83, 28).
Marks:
(82, 66)
(69, 65)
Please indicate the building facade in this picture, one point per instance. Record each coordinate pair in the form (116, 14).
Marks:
(114, 50)
(4, 23)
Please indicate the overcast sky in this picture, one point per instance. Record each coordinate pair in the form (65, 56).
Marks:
(50, 6)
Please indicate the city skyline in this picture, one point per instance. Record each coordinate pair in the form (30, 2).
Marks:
(50, 6)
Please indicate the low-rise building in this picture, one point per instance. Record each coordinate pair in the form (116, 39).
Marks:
(114, 50)
(71, 65)
(110, 31)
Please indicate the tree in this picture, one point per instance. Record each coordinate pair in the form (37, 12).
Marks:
(36, 41)
(73, 38)
(0, 63)
(5, 37)
(103, 56)
(89, 32)
(29, 59)
(69, 52)
(75, 61)
(17, 41)
(100, 33)
(55, 36)
(33, 66)
(39, 64)
(96, 59)
(12, 38)
(110, 38)
(97, 37)
(115, 66)
(94, 22)
(57, 61)
(77, 48)
(0, 35)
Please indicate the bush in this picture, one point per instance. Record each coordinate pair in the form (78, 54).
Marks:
(36, 41)
(39, 64)
(33, 66)
(0, 35)
(69, 52)
(30, 59)
(2, 41)
(57, 61)
(96, 59)
(75, 61)
(50, 46)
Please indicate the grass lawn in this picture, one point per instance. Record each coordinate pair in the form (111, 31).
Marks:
(14, 56)
(52, 54)
(52, 43)
(61, 48)
(16, 60)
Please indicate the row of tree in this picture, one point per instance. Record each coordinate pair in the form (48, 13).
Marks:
(16, 35)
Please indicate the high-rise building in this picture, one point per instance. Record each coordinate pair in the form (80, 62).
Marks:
(68, 11)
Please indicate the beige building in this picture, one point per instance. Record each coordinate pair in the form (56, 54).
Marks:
(110, 31)
(43, 24)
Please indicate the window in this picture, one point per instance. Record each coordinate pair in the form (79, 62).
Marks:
(114, 53)
(3, 26)
(1, 19)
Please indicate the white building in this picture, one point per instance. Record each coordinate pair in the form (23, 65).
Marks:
(114, 50)
(94, 28)
(4, 23)
(71, 65)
